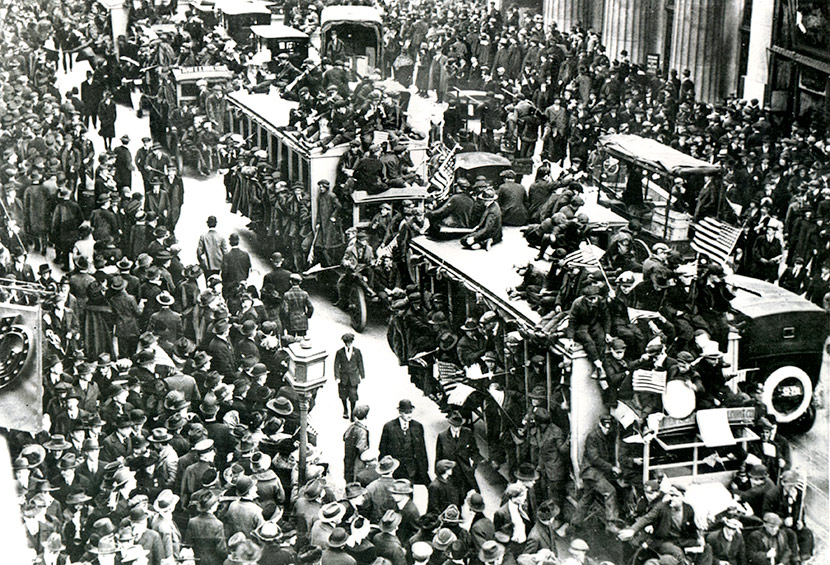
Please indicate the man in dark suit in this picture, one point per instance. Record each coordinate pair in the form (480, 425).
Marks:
(220, 349)
(674, 525)
(348, 372)
(280, 277)
(458, 445)
(543, 533)
(512, 199)
(119, 443)
(598, 472)
(769, 544)
(727, 543)
(403, 439)
(488, 229)
(236, 265)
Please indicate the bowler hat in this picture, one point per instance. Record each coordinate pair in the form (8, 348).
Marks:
(405, 406)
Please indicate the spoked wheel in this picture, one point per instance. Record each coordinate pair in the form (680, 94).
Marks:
(357, 307)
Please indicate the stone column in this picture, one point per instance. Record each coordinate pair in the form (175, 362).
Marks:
(697, 35)
(566, 13)
(760, 38)
(629, 25)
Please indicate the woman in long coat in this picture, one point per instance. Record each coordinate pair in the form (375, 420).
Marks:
(106, 117)
(98, 322)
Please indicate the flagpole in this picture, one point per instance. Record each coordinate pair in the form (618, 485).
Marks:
(590, 251)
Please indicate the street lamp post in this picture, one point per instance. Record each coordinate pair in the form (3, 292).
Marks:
(306, 374)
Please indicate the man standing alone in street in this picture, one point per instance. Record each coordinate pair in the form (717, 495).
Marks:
(211, 249)
(348, 372)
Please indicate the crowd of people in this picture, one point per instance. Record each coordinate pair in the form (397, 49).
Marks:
(170, 433)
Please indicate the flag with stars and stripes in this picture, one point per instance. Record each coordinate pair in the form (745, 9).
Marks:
(715, 239)
(649, 381)
(586, 257)
(441, 180)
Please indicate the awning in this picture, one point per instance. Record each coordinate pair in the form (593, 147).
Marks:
(817, 64)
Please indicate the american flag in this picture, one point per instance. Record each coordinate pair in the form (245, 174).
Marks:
(587, 256)
(649, 381)
(440, 181)
(715, 239)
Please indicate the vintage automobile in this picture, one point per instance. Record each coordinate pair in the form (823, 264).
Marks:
(279, 38)
(360, 28)
(238, 17)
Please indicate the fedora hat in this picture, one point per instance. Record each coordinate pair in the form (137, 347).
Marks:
(456, 419)
(491, 551)
(470, 324)
(165, 298)
(124, 264)
(267, 532)
(159, 435)
(401, 486)
(192, 271)
(68, 461)
(21, 463)
(447, 341)
(280, 405)
(122, 476)
(209, 405)
(390, 521)
(332, 512)
(78, 496)
(34, 453)
(165, 500)
(387, 465)
(527, 472)
(57, 443)
(174, 422)
(450, 515)
(338, 538)
(118, 283)
(353, 490)
(443, 539)
(206, 501)
(200, 358)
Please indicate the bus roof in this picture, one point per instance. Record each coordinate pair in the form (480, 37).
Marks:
(391, 194)
(756, 298)
(654, 155)
(278, 31)
(272, 110)
(490, 273)
(357, 14)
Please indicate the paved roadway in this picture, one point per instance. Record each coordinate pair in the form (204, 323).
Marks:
(386, 382)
